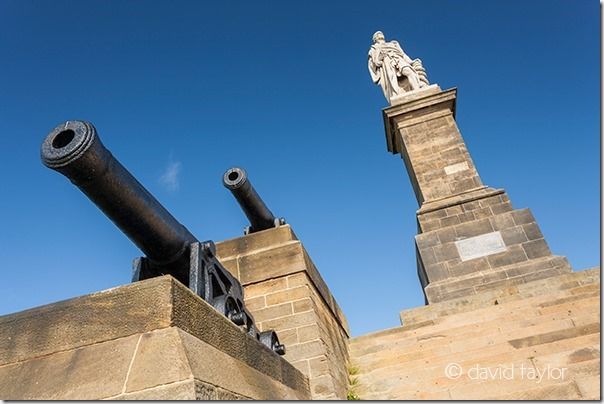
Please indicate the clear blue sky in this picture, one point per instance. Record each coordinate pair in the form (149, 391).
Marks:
(190, 88)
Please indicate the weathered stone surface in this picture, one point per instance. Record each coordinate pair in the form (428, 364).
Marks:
(172, 364)
(536, 248)
(213, 367)
(142, 306)
(255, 241)
(456, 208)
(563, 391)
(184, 390)
(288, 294)
(492, 252)
(205, 391)
(191, 314)
(553, 321)
(571, 282)
(281, 260)
(512, 255)
(159, 359)
(266, 257)
(424, 130)
(93, 360)
(474, 228)
(85, 373)
(555, 336)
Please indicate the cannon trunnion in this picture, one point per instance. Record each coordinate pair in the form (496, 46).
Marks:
(75, 150)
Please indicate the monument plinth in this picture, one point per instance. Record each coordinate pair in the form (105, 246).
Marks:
(470, 237)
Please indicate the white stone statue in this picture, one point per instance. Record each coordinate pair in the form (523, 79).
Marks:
(392, 69)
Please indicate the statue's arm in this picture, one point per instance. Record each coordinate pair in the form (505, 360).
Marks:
(373, 70)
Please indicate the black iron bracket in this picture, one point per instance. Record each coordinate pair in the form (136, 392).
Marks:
(211, 281)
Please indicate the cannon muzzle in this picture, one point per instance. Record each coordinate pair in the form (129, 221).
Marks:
(75, 150)
(259, 215)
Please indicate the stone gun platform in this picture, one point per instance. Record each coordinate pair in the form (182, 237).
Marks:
(152, 339)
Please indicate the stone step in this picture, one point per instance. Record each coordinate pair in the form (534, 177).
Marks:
(557, 327)
(554, 323)
(431, 375)
(477, 335)
(454, 340)
(504, 277)
(431, 378)
(473, 389)
(432, 335)
(449, 344)
(520, 310)
(509, 322)
(487, 298)
(561, 391)
(400, 388)
(589, 387)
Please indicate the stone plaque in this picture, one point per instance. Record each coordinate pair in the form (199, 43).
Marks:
(480, 246)
(455, 168)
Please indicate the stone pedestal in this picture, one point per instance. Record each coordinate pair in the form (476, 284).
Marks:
(148, 340)
(285, 292)
(470, 237)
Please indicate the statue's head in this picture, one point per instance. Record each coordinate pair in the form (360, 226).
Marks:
(378, 37)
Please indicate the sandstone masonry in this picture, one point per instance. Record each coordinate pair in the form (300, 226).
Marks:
(470, 237)
(285, 292)
(150, 340)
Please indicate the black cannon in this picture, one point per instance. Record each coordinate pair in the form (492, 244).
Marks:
(261, 218)
(75, 150)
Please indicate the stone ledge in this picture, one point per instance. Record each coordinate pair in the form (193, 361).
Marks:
(423, 314)
(469, 196)
(501, 278)
(414, 95)
(136, 308)
(235, 247)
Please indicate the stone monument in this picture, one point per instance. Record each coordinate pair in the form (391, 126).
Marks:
(470, 237)
(499, 303)
(497, 299)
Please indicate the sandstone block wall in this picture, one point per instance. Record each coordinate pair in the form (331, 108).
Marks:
(285, 292)
(150, 340)
(551, 323)
(425, 133)
(520, 253)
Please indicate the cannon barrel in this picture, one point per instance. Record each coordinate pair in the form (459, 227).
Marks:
(75, 150)
(261, 218)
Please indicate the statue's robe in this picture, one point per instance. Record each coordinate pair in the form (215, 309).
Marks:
(386, 62)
